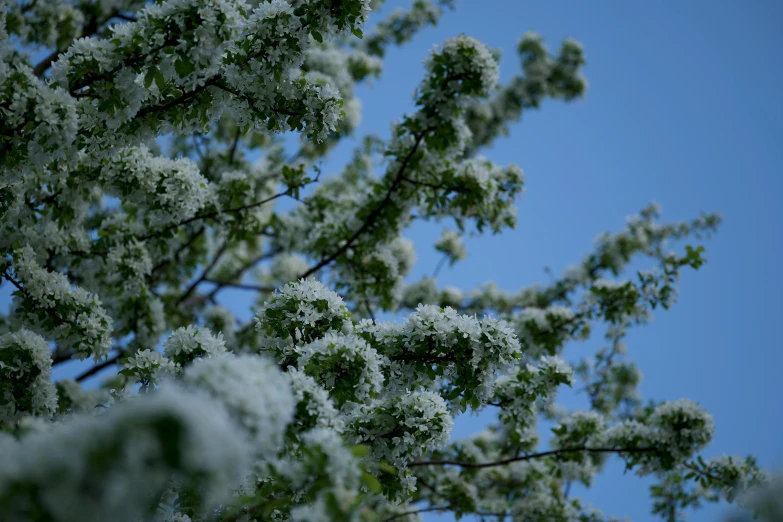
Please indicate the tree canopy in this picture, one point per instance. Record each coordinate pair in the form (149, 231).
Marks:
(142, 164)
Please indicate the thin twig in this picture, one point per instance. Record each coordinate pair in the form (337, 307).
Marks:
(240, 271)
(192, 239)
(369, 309)
(416, 511)
(203, 276)
(439, 266)
(232, 151)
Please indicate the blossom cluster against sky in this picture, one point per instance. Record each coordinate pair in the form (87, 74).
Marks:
(681, 109)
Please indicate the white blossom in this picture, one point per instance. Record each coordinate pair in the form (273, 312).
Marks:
(26, 385)
(189, 343)
(141, 445)
(49, 305)
(255, 393)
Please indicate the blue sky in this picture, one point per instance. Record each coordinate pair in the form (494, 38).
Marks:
(682, 108)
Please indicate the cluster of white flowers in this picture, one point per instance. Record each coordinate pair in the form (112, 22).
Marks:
(314, 407)
(682, 427)
(300, 312)
(401, 428)
(25, 377)
(345, 365)
(480, 191)
(535, 485)
(286, 268)
(158, 190)
(461, 66)
(48, 305)
(543, 319)
(400, 25)
(739, 475)
(127, 264)
(576, 429)
(388, 263)
(523, 392)
(149, 366)
(450, 243)
(186, 344)
(766, 501)
(124, 274)
(49, 24)
(220, 319)
(139, 447)
(220, 57)
(544, 75)
(39, 120)
(253, 391)
(336, 467)
(542, 331)
(72, 398)
(672, 433)
(341, 68)
(331, 209)
(422, 292)
(439, 343)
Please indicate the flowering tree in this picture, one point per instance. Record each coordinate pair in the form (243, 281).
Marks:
(129, 202)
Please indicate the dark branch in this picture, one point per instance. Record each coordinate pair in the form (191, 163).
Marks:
(100, 366)
(531, 456)
(203, 276)
(373, 215)
(241, 286)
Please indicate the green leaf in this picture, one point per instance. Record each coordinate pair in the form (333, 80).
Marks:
(360, 451)
(317, 37)
(184, 67)
(357, 32)
(372, 483)
(388, 468)
(160, 81)
(454, 394)
(149, 77)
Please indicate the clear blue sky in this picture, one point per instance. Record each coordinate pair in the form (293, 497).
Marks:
(681, 109)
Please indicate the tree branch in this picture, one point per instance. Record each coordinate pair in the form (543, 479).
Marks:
(530, 457)
(241, 270)
(233, 150)
(100, 366)
(216, 213)
(203, 276)
(373, 215)
(416, 511)
(192, 239)
(59, 355)
(241, 286)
